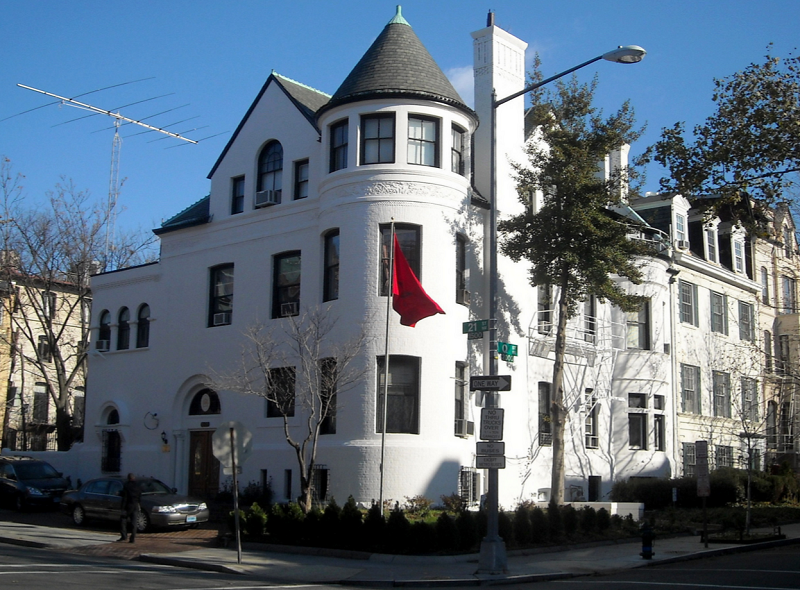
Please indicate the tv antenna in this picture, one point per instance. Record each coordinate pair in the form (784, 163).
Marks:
(116, 145)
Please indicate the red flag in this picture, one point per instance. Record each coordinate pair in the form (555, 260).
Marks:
(409, 299)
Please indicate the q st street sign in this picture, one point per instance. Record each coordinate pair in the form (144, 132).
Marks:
(490, 383)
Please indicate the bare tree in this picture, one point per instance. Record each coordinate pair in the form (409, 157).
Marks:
(303, 371)
(48, 251)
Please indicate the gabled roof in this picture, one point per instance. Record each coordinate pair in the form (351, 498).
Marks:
(196, 214)
(397, 65)
(307, 100)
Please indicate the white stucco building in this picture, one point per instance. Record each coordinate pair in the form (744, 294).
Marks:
(301, 199)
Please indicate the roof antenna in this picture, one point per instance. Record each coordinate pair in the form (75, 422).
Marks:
(490, 19)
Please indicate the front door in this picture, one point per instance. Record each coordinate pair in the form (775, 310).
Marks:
(203, 466)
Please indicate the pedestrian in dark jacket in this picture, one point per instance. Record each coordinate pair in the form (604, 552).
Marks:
(131, 494)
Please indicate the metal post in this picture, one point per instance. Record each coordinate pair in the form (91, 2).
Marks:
(236, 500)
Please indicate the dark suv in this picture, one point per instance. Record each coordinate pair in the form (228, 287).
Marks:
(30, 482)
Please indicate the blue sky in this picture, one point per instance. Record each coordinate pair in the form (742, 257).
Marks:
(215, 56)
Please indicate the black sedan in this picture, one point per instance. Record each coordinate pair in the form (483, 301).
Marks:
(160, 505)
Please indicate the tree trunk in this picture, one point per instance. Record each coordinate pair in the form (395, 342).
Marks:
(558, 414)
(64, 433)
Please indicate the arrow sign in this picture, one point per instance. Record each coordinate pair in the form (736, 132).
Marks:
(490, 383)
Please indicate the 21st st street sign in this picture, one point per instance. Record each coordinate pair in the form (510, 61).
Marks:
(490, 383)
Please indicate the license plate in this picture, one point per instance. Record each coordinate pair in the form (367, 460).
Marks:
(191, 519)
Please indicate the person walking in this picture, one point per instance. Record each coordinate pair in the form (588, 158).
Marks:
(131, 494)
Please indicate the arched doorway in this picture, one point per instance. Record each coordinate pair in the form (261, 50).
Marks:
(203, 465)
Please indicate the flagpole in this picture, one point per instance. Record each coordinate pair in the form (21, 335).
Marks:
(386, 361)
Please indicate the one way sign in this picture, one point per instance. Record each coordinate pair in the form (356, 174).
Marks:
(490, 383)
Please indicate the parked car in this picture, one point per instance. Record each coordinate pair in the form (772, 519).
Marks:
(28, 482)
(160, 505)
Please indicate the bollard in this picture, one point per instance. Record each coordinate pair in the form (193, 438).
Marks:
(647, 542)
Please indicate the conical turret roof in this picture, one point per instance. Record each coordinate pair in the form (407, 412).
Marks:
(397, 65)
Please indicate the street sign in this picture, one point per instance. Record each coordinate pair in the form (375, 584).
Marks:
(490, 448)
(221, 443)
(490, 383)
(475, 336)
(492, 423)
(490, 462)
(507, 358)
(507, 349)
(479, 326)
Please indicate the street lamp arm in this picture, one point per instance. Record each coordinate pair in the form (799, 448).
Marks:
(628, 54)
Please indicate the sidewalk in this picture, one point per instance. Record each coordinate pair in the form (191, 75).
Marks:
(319, 566)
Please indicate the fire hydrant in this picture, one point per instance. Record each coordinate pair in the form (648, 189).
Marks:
(647, 542)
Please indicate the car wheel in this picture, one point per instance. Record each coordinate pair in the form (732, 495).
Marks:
(143, 522)
(78, 515)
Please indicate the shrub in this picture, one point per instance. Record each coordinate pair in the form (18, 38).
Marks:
(454, 504)
(256, 520)
(569, 516)
(312, 527)
(603, 520)
(446, 532)
(539, 526)
(467, 531)
(418, 506)
(330, 530)
(231, 520)
(352, 524)
(254, 493)
(422, 537)
(555, 526)
(505, 527)
(397, 530)
(522, 525)
(276, 523)
(294, 518)
(588, 518)
(374, 527)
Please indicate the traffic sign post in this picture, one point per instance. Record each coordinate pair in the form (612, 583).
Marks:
(490, 448)
(476, 326)
(490, 462)
(507, 349)
(490, 383)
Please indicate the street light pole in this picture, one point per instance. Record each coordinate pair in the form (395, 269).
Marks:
(493, 554)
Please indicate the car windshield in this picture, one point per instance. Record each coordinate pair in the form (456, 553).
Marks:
(153, 486)
(35, 471)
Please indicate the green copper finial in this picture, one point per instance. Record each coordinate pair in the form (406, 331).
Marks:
(398, 18)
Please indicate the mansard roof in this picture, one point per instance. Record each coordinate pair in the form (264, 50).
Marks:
(307, 100)
(397, 65)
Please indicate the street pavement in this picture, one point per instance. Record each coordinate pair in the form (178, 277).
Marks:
(198, 549)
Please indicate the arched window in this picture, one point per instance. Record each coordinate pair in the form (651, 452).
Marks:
(104, 334)
(143, 327)
(270, 169)
(110, 460)
(204, 402)
(124, 329)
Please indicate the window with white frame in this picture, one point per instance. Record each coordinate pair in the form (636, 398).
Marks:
(768, 351)
(301, 179)
(659, 432)
(545, 425)
(638, 327)
(338, 145)
(270, 169)
(722, 394)
(764, 286)
(544, 307)
(237, 195)
(637, 421)
(689, 459)
(124, 329)
(680, 227)
(688, 302)
(690, 388)
(711, 244)
(280, 392)
(783, 354)
(746, 327)
(738, 256)
(286, 285)
(220, 302)
(590, 319)
(788, 242)
(723, 456)
(423, 141)
(789, 288)
(377, 138)
(402, 403)
(719, 313)
(330, 281)
(457, 146)
(749, 399)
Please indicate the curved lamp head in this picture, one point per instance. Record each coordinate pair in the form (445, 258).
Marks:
(628, 54)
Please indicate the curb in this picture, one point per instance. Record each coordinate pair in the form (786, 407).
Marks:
(191, 564)
(24, 543)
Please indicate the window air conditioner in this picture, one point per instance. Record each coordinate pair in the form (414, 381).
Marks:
(682, 244)
(462, 296)
(266, 198)
(222, 319)
(102, 345)
(464, 428)
(288, 309)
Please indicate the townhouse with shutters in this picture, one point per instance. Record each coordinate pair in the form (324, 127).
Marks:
(298, 217)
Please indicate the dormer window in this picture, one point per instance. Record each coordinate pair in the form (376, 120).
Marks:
(711, 244)
(423, 141)
(738, 256)
(270, 170)
(680, 227)
(788, 242)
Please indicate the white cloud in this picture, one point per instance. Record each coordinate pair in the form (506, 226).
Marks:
(463, 81)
